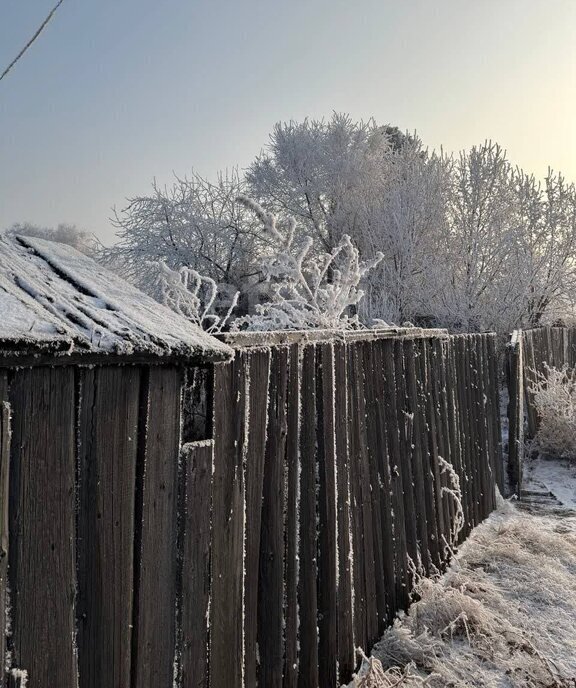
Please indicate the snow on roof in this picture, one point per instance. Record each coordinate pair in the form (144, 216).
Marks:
(55, 299)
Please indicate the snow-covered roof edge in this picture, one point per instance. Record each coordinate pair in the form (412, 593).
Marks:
(55, 300)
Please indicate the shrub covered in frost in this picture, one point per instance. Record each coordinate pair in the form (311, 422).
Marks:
(191, 295)
(555, 401)
(307, 289)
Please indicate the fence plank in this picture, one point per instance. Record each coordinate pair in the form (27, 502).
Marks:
(464, 413)
(426, 456)
(357, 511)
(392, 424)
(418, 478)
(108, 443)
(227, 574)
(433, 422)
(292, 510)
(41, 522)
(367, 535)
(271, 572)
(383, 483)
(259, 371)
(345, 630)
(368, 351)
(327, 564)
(307, 581)
(442, 440)
(156, 562)
(4, 496)
(443, 394)
(405, 427)
(198, 459)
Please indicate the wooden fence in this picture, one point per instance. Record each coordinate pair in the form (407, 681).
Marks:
(528, 351)
(263, 556)
(327, 488)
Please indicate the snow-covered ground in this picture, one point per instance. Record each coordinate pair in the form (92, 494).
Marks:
(557, 476)
(503, 614)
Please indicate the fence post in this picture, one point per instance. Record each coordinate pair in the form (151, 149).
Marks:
(515, 411)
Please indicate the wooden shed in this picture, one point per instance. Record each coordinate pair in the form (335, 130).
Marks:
(91, 380)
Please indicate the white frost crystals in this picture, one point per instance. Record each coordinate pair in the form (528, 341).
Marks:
(192, 295)
(555, 402)
(307, 289)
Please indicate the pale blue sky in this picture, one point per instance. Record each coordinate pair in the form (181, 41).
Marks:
(117, 92)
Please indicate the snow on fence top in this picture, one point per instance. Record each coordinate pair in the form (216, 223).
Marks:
(54, 299)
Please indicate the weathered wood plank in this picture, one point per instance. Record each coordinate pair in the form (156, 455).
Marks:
(373, 436)
(227, 574)
(426, 456)
(41, 522)
(515, 412)
(198, 459)
(345, 630)
(156, 560)
(406, 431)
(328, 563)
(271, 578)
(384, 485)
(394, 451)
(416, 442)
(432, 419)
(365, 499)
(440, 475)
(259, 366)
(108, 427)
(292, 510)
(467, 484)
(4, 492)
(357, 511)
(307, 580)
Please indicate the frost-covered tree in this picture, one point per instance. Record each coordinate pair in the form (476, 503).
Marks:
(319, 172)
(545, 262)
(307, 290)
(193, 224)
(505, 256)
(404, 222)
(371, 182)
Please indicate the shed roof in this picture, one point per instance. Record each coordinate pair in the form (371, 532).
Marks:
(54, 299)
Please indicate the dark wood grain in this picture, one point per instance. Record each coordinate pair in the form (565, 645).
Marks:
(156, 560)
(292, 511)
(271, 572)
(4, 492)
(41, 523)
(346, 659)
(383, 484)
(198, 458)
(227, 574)
(328, 563)
(401, 576)
(417, 444)
(259, 367)
(308, 575)
(107, 446)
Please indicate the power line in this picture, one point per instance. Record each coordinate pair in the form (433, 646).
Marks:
(34, 37)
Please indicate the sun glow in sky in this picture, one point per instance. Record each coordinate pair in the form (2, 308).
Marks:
(114, 93)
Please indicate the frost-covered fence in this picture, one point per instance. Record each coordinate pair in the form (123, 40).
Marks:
(555, 346)
(515, 382)
(342, 464)
(528, 352)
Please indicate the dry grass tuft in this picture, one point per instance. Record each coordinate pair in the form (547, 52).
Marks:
(503, 615)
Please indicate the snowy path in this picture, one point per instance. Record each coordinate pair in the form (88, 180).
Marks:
(552, 475)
